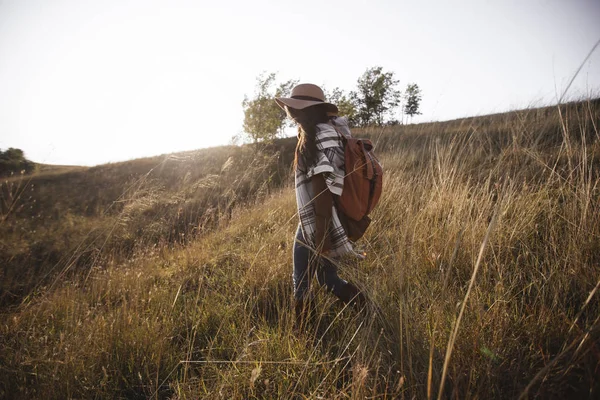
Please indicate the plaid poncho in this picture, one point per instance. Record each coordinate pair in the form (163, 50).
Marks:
(330, 163)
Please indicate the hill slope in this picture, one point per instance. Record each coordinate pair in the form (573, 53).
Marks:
(171, 276)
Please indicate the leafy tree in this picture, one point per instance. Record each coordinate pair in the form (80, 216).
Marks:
(376, 96)
(413, 100)
(13, 160)
(345, 104)
(263, 118)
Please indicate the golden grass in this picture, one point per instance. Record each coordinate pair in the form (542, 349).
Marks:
(482, 270)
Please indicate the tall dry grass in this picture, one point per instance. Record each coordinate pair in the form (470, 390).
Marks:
(71, 223)
(482, 270)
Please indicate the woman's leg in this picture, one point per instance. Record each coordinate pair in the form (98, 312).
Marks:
(302, 272)
(347, 292)
(328, 277)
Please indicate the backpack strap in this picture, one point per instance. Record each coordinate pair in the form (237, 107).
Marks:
(365, 147)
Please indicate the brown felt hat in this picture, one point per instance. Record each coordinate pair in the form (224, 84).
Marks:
(305, 95)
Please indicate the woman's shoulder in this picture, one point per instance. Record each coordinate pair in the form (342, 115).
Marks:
(341, 123)
(334, 120)
(329, 134)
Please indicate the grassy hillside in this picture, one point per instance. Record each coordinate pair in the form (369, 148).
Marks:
(170, 277)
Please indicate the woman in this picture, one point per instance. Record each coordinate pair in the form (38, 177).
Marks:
(319, 176)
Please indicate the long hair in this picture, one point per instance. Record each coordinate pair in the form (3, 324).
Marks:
(307, 120)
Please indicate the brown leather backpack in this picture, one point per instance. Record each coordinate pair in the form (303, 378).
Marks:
(363, 183)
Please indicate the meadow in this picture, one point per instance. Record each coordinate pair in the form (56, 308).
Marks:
(170, 277)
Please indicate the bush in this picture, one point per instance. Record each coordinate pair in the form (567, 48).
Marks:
(13, 161)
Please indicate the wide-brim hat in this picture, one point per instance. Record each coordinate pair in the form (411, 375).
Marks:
(305, 95)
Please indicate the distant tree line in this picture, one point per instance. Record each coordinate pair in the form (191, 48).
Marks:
(375, 101)
(14, 161)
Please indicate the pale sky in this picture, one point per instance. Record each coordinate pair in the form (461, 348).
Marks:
(89, 82)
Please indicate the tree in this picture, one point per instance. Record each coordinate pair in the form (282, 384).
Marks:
(413, 100)
(346, 105)
(263, 118)
(13, 161)
(376, 96)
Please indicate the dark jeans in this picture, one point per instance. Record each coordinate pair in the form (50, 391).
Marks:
(306, 264)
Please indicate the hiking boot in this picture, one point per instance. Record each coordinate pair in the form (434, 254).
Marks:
(350, 294)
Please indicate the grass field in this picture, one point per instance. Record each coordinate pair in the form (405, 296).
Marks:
(170, 277)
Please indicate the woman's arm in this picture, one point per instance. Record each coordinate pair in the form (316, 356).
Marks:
(323, 202)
